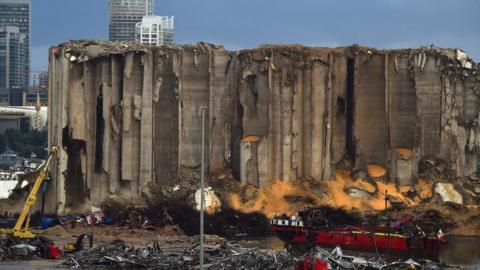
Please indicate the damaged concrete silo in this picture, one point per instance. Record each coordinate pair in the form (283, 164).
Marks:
(127, 116)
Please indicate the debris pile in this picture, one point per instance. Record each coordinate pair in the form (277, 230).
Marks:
(223, 256)
(337, 260)
(227, 222)
(246, 209)
(13, 249)
(435, 169)
(432, 220)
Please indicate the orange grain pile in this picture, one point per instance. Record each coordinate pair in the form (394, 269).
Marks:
(272, 198)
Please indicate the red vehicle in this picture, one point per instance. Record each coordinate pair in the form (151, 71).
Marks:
(311, 263)
(402, 238)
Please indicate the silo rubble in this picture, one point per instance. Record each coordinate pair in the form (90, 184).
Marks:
(127, 117)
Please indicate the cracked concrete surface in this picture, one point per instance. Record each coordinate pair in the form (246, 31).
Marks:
(128, 115)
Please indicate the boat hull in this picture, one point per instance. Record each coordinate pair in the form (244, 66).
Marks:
(377, 241)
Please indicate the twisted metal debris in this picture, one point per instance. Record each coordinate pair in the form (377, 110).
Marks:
(225, 256)
(14, 249)
(337, 260)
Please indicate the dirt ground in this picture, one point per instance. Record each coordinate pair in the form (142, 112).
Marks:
(169, 236)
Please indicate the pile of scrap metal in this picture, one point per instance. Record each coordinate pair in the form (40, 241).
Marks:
(118, 255)
(14, 249)
(321, 259)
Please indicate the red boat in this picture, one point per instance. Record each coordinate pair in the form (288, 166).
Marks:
(400, 238)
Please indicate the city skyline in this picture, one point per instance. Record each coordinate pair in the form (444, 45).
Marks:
(15, 32)
(247, 24)
(15, 20)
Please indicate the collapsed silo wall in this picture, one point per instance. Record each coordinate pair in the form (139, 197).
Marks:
(126, 116)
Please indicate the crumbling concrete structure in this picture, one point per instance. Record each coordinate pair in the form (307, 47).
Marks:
(126, 116)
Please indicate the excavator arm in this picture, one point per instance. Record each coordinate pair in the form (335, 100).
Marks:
(23, 219)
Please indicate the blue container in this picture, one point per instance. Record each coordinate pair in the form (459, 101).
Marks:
(47, 222)
(108, 220)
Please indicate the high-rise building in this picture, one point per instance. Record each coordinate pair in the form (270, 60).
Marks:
(12, 65)
(124, 15)
(155, 30)
(17, 13)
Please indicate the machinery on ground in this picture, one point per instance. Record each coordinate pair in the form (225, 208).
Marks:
(79, 244)
(21, 229)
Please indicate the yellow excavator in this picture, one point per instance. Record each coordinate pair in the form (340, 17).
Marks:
(21, 228)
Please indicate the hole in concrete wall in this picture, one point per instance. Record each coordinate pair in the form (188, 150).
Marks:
(350, 108)
(165, 129)
(236, 138)
(74, 183)
(100, 132)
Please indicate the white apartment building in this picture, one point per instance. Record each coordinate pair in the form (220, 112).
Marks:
(155, 30)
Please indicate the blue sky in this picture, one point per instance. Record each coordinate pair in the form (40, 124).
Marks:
(248, 23)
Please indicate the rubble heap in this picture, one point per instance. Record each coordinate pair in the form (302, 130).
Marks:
(127, 117)
(336, 260)
(225, 256)
(14, 249)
